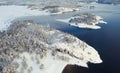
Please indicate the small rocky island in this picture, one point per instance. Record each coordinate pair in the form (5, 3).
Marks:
(26, 47)
(85, 20)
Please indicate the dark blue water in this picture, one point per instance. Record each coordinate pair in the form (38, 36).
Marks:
(105, 40)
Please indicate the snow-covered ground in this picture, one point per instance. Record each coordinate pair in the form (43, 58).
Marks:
(9, 13)
(61, 49)
(84, 25)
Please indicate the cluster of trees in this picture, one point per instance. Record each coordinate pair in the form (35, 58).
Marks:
(18, 39)
(84, 18)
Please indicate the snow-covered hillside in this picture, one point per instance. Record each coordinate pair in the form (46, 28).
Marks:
(31, 48)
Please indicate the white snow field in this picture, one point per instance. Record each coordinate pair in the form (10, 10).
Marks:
(10, 12)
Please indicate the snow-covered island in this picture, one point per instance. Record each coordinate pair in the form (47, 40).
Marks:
(54, 9)
(85, 20)
(59, 10)
(26, 47)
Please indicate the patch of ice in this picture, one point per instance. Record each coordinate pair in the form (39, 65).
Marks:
(102, 22)
(83, 25)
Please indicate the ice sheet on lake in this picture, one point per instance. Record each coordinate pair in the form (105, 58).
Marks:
(9, 13)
